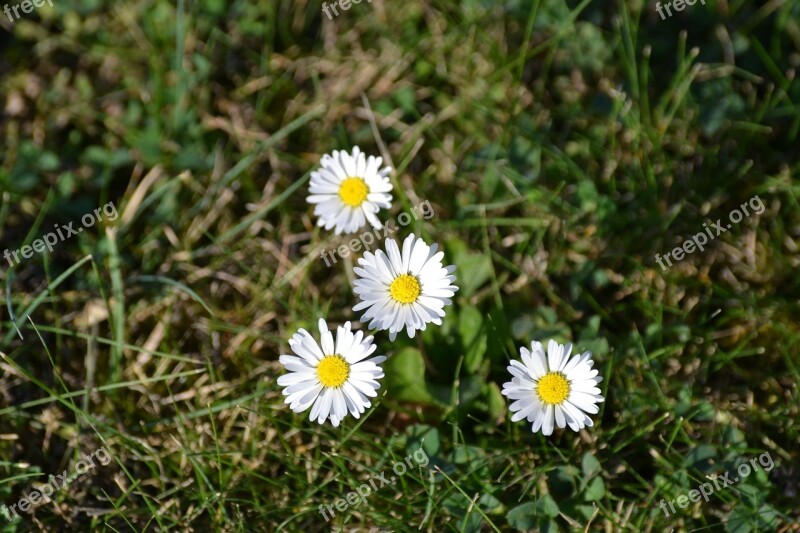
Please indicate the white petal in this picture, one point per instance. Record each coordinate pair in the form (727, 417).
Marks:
(547, 423)
(554, 352)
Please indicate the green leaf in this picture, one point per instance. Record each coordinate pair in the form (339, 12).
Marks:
(739, 520)
(425, 437)
(406, 99)
(470, 389)
(523, 517)
(457, 504)
(473, 337)
(405, 376)
(705, 412)
(733, 437)
(497, 404)
(471, 456)
(748, 494)
(563, 481)
(548, 526)
(581, 511)
(489, 503)
(743, 519)
(547, 506)
(590, 465)
(595, 490)
(699, 456)
(472, 269)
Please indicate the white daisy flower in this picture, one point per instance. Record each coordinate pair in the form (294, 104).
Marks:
(553, 387)
(405, 290)
(335, 378)
(349, 189)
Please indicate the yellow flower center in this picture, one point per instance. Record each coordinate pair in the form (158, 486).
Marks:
(353, 191)
(405, 289)
(553, 388)
(333, 370)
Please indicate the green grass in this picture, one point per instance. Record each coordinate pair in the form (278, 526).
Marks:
(561, 145)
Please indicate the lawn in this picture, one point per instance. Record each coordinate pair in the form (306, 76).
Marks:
(598, 173)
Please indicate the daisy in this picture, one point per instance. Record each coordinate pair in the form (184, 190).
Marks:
(348, 190)
(554, 386)
(334, 378)
(405, 290)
